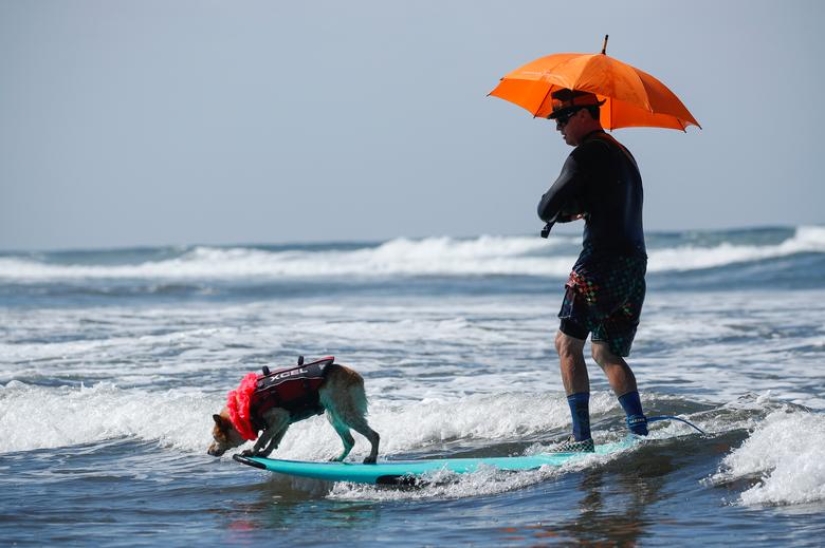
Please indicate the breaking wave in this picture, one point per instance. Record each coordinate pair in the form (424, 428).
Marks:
(442, 256)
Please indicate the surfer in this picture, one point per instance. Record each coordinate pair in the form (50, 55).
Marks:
(600, 183)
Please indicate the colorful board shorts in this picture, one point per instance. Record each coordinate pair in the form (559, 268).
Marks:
(604, 296)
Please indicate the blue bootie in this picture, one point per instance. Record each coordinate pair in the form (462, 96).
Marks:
(637, 424)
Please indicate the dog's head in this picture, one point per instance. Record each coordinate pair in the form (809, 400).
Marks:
(225, 436)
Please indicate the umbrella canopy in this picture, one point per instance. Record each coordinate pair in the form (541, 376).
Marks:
(633, 98)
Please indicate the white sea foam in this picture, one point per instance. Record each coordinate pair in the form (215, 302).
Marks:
(36, 417)
(485, 255)
(784, 456)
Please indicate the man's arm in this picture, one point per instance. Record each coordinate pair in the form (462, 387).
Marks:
(553, 203)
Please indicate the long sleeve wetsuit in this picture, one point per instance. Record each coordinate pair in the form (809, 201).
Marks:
(600, 180)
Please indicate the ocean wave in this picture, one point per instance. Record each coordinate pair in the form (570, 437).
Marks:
(783, 460)
(37, 417)
(66, 416)
(781, 452)
(485, 255)
(181, 418)
(807, 239)
(443, 256)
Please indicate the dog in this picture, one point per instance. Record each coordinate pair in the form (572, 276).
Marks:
(269, 403)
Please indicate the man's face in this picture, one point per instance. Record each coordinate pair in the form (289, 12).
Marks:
(570, 127)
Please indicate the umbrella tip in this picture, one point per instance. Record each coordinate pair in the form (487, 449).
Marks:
(604, 44)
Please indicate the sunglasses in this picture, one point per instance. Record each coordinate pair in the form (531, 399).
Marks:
(562, 119)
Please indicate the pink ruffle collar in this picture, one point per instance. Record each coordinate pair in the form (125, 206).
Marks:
(238, 402)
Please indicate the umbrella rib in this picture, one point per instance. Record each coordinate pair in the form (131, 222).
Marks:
(649, 107)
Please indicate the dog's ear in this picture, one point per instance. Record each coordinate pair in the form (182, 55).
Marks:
(218, 419)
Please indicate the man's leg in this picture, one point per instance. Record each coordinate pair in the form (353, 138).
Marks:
(573, 367)
(623, 382)
(576, 383)
(618, 372)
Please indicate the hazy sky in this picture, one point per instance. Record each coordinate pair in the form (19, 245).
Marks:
(145, 122)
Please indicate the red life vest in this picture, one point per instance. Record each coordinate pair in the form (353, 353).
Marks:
(294, 389)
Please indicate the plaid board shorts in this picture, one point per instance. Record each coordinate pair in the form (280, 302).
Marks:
(604, 296)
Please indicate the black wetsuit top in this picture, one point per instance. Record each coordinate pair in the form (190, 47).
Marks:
(601, 180)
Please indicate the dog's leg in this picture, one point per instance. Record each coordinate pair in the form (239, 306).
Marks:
(277, 421)
(342, 424)
(359, 424)
(344, 434)
(275, 442)
(344, 399)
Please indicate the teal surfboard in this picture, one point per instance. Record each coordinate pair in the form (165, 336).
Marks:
(407, 472)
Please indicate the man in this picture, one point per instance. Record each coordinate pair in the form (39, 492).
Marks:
(600, 183)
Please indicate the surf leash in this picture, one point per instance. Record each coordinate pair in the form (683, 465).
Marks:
(672, 418)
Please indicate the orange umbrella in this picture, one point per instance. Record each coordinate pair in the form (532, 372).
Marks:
(633, 98)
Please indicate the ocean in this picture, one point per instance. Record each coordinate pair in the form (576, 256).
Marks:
(113, 361)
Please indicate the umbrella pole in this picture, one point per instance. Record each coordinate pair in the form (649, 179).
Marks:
(604, 44)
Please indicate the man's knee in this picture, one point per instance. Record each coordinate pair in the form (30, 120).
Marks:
(567, 344)
(573, 330)
(602, 354)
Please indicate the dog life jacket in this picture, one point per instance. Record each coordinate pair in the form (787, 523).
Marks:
(294, 389)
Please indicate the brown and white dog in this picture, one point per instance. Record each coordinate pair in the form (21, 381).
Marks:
(270, 402)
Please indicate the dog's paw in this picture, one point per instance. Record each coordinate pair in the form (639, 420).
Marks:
(369, 460)
(248, 453)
